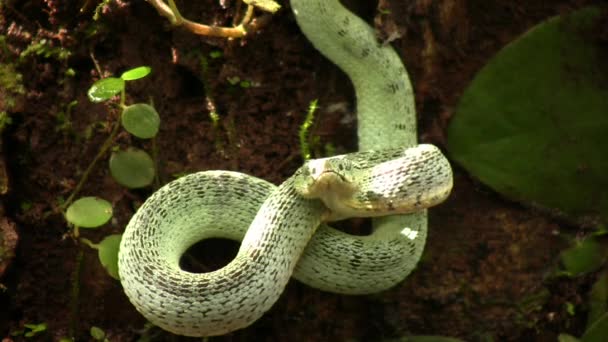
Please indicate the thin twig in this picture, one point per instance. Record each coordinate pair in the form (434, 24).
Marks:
(170, 12)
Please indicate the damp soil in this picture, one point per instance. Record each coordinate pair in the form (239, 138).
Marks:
(484, 272)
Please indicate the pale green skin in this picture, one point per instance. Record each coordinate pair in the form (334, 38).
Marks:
(285, 236)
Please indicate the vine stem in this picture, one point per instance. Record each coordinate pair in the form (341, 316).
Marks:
(104, 148)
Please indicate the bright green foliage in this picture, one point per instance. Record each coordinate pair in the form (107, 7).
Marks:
(30, 330)
(533, 123)
(216, 54)
(105, 88)
(11, 89)
(305, 129)
(132, 168)
(141, 120)
(136, 73)
(89, 212)
(44, 48)
(107, 251)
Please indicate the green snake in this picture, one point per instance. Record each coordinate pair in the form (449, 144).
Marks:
(281, 229)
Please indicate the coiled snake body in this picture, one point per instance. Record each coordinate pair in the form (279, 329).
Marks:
(281, 227)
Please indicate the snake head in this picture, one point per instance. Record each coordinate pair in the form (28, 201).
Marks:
(328, 179)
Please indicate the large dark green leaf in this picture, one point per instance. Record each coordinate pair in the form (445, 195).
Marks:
(532, 124)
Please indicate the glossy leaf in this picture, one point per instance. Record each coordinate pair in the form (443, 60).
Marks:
(141, 120)
(136, 73)
(89, 212)
(105, 88)
(132, 168)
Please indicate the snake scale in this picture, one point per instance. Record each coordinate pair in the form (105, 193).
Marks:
(281, 229)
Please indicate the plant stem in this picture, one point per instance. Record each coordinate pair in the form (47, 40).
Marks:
(248, 15)
(104, 148)
(89, 243)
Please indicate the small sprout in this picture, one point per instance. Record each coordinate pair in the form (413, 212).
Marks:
(136, 73)
(215, 54)
(570, 309)
(215, 119)
(245, 84)
(105, 88)
(97, 333)
(234, 80)
(132, 168)
(5, 120)
(31, 330)
(141, 120)
(89, 212)
(25, 206)
(60, 200)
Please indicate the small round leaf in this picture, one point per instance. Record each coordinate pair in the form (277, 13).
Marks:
(136, 73)
(141, 120)
(89, 212)
(132, 168)
(105, 88)
(107, 251)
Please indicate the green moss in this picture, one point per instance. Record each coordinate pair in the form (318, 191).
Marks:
(11, 88)
(44, 49)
